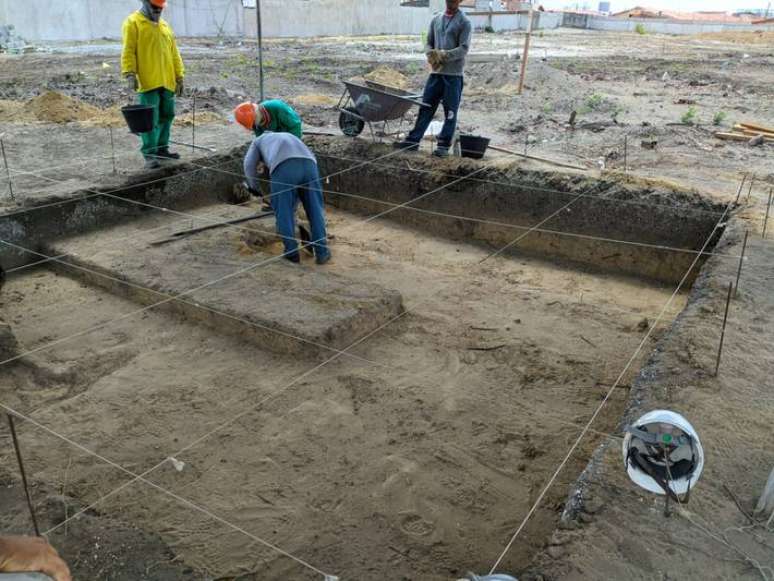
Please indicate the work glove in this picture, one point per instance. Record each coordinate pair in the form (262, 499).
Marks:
(179, 87)
(252, 190)
(131, 82)
(432, 58)
(443, 57)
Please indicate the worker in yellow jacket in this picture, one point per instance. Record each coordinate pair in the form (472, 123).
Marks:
(152, 66)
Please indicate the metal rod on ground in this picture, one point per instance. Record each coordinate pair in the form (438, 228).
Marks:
(768, 210)
(23, 474)
(259, 33)
(741, 262)
(525, 57)
(193, 123)
(112, 148)
(723, 331)
(192, 146)
(7, 169)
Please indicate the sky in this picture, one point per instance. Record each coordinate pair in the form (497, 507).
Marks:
(683, 5)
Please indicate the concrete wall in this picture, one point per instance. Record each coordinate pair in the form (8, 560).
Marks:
(665, 27)
(52, 20)
(591, 22)
(301, 18)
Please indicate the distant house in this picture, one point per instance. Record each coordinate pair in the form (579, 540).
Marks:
(641, 12)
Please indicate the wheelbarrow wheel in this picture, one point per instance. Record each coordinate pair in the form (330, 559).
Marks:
(350, 123)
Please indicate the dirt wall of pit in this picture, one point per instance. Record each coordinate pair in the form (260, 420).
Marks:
(177, 187)
(586, 218)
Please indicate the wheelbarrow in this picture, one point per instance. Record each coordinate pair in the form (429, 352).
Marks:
(376, 105)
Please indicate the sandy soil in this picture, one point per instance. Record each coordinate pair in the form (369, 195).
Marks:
(676, 91)
(413, 468)
(418, 470)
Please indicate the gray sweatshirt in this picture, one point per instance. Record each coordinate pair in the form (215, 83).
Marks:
(452, 35)
(272, 149)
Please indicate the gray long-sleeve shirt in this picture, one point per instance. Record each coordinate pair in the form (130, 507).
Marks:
(453, 35)
(272, 149)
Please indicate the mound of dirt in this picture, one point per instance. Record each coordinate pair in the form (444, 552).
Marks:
(314, 100)
(205, 117)
(53, 107)
(389, 77)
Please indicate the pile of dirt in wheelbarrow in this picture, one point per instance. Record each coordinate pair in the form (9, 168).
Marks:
(388, 77)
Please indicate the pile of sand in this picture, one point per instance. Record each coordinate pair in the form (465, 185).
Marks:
(389, 77)
(314, 100)
(53, 107)
(203, 118)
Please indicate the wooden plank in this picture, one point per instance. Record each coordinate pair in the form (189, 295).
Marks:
(741, 136)
(752, 132)
(761, 128)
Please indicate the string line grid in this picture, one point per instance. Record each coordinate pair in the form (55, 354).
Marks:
(399, 206)
(603, 403)
(232, 420)
(235, 418)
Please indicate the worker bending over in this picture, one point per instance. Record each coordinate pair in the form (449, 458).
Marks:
(448, 42)
(293, 173)
(152, 66)
(274, 115)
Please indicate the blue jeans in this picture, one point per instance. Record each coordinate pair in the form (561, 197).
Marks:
(446, 89)
(292, 180)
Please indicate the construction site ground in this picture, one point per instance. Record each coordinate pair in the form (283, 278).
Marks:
(417, 453)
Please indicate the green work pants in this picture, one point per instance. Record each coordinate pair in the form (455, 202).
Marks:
(163, 103)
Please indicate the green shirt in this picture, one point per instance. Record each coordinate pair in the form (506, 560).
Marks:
(283, 119)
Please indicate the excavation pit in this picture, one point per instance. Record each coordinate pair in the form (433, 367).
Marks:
(414, 453)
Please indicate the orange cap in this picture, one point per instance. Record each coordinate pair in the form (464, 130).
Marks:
(159, 3)
(244, 114)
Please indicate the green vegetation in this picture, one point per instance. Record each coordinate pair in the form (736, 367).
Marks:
(719, 117)
(640, 28)
(689, 117)
(489, 29)
(594, 101)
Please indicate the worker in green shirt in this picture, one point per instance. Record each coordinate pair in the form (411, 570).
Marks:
(274, 115)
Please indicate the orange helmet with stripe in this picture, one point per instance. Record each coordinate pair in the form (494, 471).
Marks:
(245, 115)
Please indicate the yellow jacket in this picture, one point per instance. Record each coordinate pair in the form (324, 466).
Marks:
(150, 51)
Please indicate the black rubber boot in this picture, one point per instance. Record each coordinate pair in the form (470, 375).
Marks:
(166, 154)
(151, 163)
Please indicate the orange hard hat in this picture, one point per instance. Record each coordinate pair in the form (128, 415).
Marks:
(244, 114)
(159, 3)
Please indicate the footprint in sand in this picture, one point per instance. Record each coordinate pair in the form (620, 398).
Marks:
(415, 525)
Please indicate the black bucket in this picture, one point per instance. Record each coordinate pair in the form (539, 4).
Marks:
(139, 118)
(473, 146)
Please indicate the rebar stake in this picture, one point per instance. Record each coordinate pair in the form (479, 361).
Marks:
(768, 210)
(7, 170)
(739, 189)
(23, 474)
(112, 149)
(741, 262)
(193, 125)
(626, 154)
(752, 183)
(723, 331)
